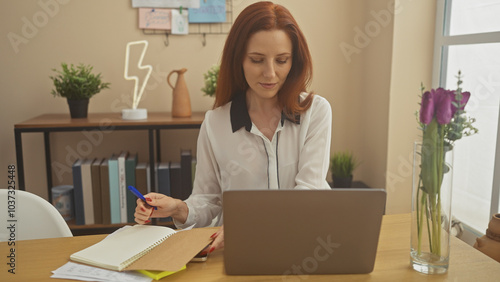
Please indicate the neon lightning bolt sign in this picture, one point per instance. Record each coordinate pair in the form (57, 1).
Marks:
(137, 96)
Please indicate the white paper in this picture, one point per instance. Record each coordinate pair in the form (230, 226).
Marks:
(118, 231)
(82, 272)
(166, 3)
(180, 22)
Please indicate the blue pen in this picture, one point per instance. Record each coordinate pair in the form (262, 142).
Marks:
(139, 195)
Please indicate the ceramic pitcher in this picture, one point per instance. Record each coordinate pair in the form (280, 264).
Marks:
(181, 103)
(489, 244)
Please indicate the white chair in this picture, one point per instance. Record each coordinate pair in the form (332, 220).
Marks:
(35, 218)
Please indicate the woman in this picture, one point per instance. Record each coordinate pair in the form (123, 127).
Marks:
(265, 131)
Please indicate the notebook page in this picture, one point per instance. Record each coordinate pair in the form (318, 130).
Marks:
(119, 250)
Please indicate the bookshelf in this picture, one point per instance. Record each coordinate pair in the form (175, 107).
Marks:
(49, 123)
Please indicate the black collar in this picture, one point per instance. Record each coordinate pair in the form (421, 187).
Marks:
(240, 117)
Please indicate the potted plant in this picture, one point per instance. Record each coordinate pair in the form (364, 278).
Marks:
(77, 84)
(342, 165)
(211, 77)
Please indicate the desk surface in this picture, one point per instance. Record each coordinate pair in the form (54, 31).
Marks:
(35, 259)
(107, 119)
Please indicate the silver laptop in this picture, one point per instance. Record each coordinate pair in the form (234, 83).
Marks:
(301, 232)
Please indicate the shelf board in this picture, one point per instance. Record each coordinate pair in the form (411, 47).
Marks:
(106, 120)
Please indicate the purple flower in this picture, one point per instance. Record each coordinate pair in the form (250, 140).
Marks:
(439, 104)
(444, 105)
(427, 108)
(465, 99)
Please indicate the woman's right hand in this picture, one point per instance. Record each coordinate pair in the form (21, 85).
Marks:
(166, 206)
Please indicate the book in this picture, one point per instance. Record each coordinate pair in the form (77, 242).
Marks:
(186, 181)
(163, 183)
(95, 171)
(175, 180)
(146, 247)
(122, 186)
(105, 200)
(163, 178)
(130, 180)
(193, 171)
(142, 178)
(114, 190)
(78, 192)
(88, 200)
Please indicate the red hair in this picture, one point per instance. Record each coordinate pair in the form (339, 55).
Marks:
(254, 18)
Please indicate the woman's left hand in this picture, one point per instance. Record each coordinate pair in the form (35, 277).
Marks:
(218, 242)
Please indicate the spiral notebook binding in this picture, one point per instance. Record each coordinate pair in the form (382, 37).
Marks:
(131, 260)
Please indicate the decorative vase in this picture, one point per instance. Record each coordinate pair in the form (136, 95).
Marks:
(342, 182)
(431, 208)
(489, 244)
(78, 108)
(181, 103)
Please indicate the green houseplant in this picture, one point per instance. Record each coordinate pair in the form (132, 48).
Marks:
(77, 84)
(211, 77)
(342, 165)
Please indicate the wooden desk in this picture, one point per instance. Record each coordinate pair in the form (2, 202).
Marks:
(48, 123)
(35, 259)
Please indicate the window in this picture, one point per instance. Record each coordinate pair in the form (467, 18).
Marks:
(473, 16)
(468, 39)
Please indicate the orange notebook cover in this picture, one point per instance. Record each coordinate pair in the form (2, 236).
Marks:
(146, 247)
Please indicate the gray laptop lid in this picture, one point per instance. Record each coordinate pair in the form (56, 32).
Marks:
(301, 232)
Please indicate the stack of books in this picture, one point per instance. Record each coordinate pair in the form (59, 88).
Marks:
(100, 185)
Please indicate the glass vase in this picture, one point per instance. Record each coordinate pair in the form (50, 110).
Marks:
(431, 208)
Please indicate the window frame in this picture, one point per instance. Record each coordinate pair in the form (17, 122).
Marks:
(442, 41)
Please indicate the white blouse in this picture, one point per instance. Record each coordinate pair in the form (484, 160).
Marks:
(233, 154)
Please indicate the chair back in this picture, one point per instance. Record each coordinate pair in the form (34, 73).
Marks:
(26, 216)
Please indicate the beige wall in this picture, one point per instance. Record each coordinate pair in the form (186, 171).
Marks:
(360, 86)
(411, 65)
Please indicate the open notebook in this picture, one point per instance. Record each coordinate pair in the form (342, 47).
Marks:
(146, 247)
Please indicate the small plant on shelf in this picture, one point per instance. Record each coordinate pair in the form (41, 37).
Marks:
(211, 77)
(342, 165)
(77, 84)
